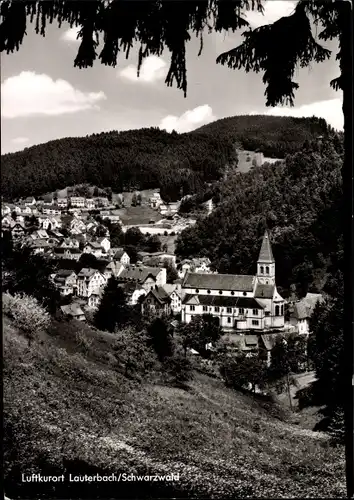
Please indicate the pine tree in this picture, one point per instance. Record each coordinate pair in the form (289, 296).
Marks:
(113, 310)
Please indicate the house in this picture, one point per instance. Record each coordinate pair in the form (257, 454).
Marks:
(155, 201)
(240, 302)
(5, 210)
(17, 231)
(89, 281)
(40, 234)
(169, 208)
(65, 280)
(159, 257)
(133, 292)
(77, 226)
(67, 253)
(30, 201)
(49, 223)
(39, 246)
(7, 222)
(74, 311)
(77, 202)
(113, 269)
(101, 201)
(302, 312)
(62, 203)
(90, 203)
(105, 243)
(147, 277)
(196, 265)
(94, 248)
(69, 243)
(26, 210)
(174, 291)
(94, 300)
(121, 256)
(51, 209)
(156, 302)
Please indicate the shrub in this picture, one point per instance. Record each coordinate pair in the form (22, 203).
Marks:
(179, 369)
(27, 313)
(83, 340)
(173, 233)
(165, 233)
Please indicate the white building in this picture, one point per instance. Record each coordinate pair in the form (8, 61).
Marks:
(77, 202)
(241, 302)
(302, 312)
(89, 281)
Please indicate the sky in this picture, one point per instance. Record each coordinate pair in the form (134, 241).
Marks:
(43, 97)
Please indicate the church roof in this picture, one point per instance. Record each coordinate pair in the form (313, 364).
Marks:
(266, 254)
(264, 291)
(219, 301)
(243, 283)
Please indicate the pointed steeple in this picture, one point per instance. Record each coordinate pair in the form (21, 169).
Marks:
(266, 254)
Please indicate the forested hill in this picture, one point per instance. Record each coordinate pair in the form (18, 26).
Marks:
(135, 159)
(299, 200)
(150, 158)
(275, 136)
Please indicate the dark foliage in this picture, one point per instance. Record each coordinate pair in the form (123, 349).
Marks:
(299, 201)
(137, 159)
(113, 310)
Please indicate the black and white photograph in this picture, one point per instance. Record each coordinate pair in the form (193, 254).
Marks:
(176, 239)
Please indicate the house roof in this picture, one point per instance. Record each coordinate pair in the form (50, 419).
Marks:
(72, 309)
(160, 294)
(64, 273)
(119, 253)
(93, 244)
(219, 281)
(170, 288)
(264, 291)
(245, 342)
(139, 274)
(266, 254)
(220, 301)
(87, 272)
(304, 308)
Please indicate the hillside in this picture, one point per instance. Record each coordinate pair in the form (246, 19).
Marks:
(299, 200)
(69, 408)
(135, 159)
(274, 136)
(146, 158)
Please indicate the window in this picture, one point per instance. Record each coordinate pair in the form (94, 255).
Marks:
(192, 308)
(220, 292)
(255, 312)
(267, 269)
(232, 293)
(205, 308)
(241, 310)
(208, 291)
(277, 310)
(229, 320)
(245, 293)
(229, 310)
(197, 290)
(282, 310)
(255, 322)
(217, 309)
(262, 270)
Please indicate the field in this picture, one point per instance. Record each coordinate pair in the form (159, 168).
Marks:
(67, 406)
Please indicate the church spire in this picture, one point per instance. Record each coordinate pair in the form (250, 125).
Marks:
(266, 254)
(266, 262)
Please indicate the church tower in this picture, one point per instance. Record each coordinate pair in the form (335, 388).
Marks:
(266, 262)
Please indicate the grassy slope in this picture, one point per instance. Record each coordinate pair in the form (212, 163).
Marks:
(221, 442)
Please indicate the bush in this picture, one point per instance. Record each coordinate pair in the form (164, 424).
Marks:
(179, 369)
(27, 313)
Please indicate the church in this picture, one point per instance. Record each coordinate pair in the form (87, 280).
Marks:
(241, 302)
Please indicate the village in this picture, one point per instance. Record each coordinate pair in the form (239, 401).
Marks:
(249, 308)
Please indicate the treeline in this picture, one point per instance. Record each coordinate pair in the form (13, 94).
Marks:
(275, 136)
(135, 159)
(299, 201)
